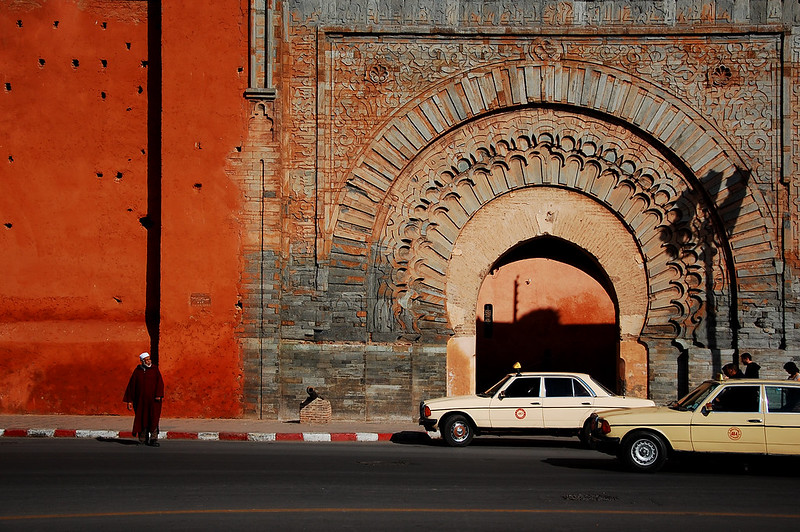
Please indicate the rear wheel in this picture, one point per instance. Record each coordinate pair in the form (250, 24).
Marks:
(457, 431)
(584, 434)
(644, 452)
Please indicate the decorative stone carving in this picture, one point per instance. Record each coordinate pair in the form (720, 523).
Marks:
(462, 172)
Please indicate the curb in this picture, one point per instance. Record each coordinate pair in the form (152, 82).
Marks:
(205, 436)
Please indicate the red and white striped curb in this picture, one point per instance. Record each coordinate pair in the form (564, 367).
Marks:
(206, 436)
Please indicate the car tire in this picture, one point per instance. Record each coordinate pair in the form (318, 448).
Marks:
(585, 433)
(457, 431)
(644, 452)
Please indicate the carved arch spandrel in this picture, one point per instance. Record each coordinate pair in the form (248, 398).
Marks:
(446, 186)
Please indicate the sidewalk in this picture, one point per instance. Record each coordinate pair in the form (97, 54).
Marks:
(64, 426)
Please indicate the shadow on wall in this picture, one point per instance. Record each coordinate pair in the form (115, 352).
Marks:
(539, 342)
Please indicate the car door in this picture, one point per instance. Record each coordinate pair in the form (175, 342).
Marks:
(733, 422)
(782, 420)
(566, 402)
(518, 405)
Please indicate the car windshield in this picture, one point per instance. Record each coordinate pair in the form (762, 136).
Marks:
(493, 390)
(696, 398)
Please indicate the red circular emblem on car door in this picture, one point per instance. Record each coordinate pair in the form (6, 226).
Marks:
(520, 413)
(734, 433)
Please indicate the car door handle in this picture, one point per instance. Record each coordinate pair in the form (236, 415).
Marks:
(755, 420)
(587, 404)
(535, 404)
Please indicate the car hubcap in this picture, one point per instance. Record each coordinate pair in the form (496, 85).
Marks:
(644, 452)
(460, 431)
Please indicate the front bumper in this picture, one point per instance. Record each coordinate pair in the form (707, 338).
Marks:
(429, 424)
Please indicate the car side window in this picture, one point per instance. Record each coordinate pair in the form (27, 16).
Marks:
(558, 387)
(738, 399)
(783, 399)
(580, 389)
(523, 387)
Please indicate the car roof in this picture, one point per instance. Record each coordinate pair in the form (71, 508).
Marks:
(756, 381)
(551, 374)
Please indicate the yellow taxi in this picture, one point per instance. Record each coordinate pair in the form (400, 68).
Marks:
(749, 416)
(524, 403)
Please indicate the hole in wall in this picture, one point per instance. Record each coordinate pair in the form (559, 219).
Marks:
(128, 45)
(8, 87)
(198, 186)
(104, 62)
(19, 23)
(75, 63)
(103, 95)
(119, 175)
(144, 64)
(104, 25)
(146, 222)
(11, 158)
(8, 225)
(99, 174)
(55, 23)
(41, 62)
(139, 89)
(118, 299)
(239, 149)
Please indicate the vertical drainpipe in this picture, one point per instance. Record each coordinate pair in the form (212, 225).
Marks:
(152, 221)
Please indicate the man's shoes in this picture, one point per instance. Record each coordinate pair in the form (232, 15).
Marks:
(154, 443)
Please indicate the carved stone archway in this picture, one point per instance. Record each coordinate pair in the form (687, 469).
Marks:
(667, 178)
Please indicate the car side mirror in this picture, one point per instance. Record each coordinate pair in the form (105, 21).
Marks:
(707, 408)
(501, 395)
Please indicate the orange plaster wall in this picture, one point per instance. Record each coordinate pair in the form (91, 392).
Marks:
(72, 190)
(205, 56)
(74, 254)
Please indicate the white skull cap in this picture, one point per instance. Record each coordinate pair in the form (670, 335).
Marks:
(143, 356)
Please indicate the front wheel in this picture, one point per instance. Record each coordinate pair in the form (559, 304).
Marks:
(644, 452)
(457, 431)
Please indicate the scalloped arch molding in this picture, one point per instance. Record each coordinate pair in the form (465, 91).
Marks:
(673, 185)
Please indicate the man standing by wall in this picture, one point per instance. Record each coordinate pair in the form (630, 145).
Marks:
(750, 367)
(144, 395)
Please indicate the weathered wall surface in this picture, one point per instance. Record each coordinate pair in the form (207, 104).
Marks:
(395, 123)
(73, 188)
(290, 212)
(89, 177)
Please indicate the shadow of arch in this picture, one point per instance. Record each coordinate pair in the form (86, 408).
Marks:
(580, 333)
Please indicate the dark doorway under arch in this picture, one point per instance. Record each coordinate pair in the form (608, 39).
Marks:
(548, 305)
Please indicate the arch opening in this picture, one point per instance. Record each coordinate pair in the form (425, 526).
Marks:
(549, 305)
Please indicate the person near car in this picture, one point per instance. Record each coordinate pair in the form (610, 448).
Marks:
(731, 371)
(750, 367)
(144, 395)
(792, 370)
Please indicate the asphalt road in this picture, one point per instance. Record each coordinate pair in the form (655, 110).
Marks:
(530, 484)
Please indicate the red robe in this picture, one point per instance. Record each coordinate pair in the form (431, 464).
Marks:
(144, 386)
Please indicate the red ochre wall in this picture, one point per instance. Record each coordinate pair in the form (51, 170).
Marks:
(74, 186)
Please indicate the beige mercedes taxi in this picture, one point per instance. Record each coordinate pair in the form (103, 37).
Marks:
(524, 403)
(732, 416)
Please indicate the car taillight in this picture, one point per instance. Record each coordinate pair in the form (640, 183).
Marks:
(426, 411)
(604, 426)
